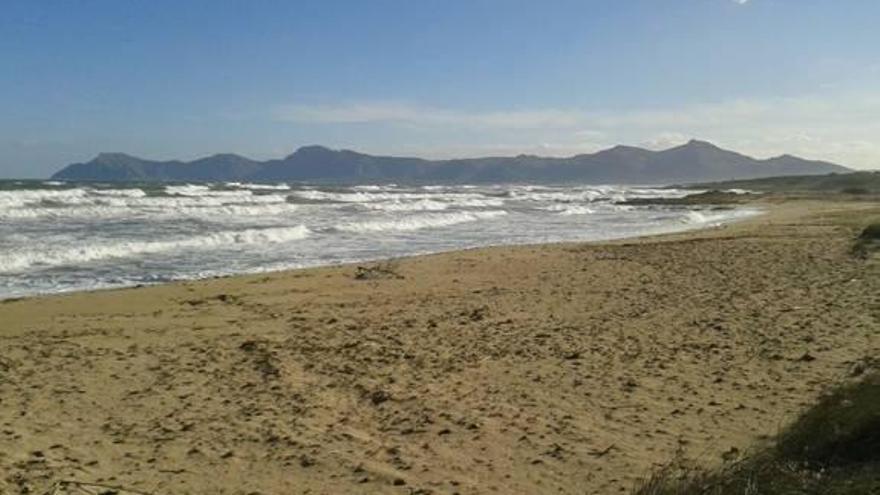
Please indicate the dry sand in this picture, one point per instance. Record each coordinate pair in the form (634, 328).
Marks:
(569, 368)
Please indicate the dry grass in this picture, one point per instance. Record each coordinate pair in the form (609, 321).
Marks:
(832, 448)
(868, 241)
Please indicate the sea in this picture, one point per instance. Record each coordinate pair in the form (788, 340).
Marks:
(61, 236)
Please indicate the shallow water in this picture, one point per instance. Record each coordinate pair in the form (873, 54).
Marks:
(56, 236)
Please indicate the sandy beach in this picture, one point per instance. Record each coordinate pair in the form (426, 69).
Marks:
(565, 368)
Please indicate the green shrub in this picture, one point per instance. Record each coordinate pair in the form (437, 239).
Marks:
(868, 240)
(871, 232)
(842, 428)
(832, 448)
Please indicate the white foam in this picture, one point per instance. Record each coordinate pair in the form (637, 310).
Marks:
(52, 198)
(652, 192)
(202, 191)
(568, 210)
(433, 204)
(59, 238)
(703, 217)
(33, 197)
(418, 222)
(231, 211)
(243, 197)
(369, 196)
(36, 259)
(62, 213)
(478, 203)
(118, 193)
(374, 187)
(259, 187)
(188, 190)
(542, 195)
(592, 194)
(133, 205)
(418, 205)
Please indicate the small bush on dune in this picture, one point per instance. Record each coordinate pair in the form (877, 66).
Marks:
(871, 232)
(868, 240)
(832, 448)
(843, 428)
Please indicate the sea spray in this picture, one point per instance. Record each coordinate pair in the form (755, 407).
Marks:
(63, 236)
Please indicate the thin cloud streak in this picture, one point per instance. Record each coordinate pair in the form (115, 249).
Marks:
(423, 116)
(841, 128)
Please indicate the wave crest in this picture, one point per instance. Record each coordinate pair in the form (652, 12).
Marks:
(35, 259)
(418, 222)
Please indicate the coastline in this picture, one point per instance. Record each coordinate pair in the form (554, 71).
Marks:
(748, 212)
(568, 367)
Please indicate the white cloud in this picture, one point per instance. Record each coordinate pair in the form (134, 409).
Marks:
(839, 127)
(664, 140)
(425, 116)
(836, 126)
(740, 2)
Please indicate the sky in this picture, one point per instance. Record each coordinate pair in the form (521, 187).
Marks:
(435, 78)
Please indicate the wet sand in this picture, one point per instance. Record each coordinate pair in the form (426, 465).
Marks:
(567, 368)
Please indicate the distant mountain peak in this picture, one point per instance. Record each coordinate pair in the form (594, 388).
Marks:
(699, 143)
(694, 161)
(226, 155)
(114, 155)
(622, 148)
(311, 149)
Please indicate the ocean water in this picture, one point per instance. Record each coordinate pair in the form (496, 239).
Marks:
(57, 236)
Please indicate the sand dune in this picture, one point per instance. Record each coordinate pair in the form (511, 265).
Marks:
(569, 368)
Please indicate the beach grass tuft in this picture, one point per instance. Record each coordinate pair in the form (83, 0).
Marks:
(868, 240)
(832, 448)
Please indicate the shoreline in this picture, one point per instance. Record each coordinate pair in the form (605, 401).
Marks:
(757, 212)
(569, 367)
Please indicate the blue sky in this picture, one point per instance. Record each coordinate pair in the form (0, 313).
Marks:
(181, 79)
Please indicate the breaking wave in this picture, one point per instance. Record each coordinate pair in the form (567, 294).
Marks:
(368, 196)
(418, 205)
(35, 259)
(185, 201)
(567, 210)
(702, 217)
(418, 222)
(259, 187)
(433, 205)
(63, 236)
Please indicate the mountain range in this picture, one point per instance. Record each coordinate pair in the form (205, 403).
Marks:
(690, 162)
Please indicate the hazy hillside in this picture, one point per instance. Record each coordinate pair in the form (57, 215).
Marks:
(691, 162)
(856, 182)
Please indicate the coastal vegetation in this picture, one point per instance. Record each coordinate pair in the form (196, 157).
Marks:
(832, 448)
(855, 184)
(868, 240)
